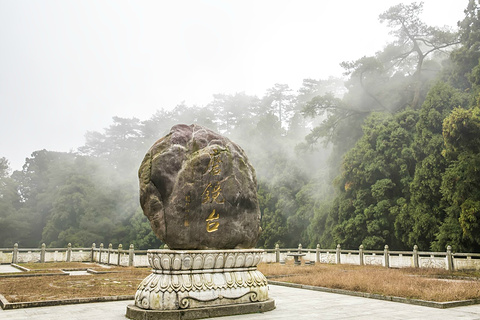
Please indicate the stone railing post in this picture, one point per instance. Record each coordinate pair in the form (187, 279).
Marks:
(100, 253)
(299, 248)
(449, 259)
(42, 253)
(277, 253)
(15, 253)
(93, 252)
(109, 253)
(120, 248)
(131, 256)
(415, 256)
(69, 252)
(338, 252)
(386, 256)
(360, 254)
(317, 253)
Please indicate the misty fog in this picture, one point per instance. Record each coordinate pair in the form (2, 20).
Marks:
(363, 158)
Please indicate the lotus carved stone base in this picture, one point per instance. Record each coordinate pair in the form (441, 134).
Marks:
(184, 280)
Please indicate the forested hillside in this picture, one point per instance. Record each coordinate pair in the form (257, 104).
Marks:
(389, 156)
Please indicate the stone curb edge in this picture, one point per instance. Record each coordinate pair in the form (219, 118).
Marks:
(64, 272)
(425, 303)
(19, 267)
(22, 275)
(47, 303)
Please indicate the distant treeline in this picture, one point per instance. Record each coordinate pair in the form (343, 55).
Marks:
(390, 156)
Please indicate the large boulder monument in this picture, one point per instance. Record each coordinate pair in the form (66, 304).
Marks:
(199, 192)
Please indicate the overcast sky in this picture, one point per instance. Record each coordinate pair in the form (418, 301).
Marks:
(68, 67)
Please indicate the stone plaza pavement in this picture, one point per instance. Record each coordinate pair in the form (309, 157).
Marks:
(5, 268)
(292, 303)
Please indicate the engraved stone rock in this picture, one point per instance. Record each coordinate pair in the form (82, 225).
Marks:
(198, 190)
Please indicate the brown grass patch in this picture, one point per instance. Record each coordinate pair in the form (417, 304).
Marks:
(123, 281)
(59, 265)
(425, 284)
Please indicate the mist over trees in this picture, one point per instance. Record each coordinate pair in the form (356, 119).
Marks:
(390, 155)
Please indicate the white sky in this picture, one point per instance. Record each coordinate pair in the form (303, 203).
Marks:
(68, 67)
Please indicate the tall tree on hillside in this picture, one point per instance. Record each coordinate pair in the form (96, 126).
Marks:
(183, 114)
(156, 126)
(396, 76)
(274, 223)
(141, 234)
(461, 181)
(280, 99)
(11, 223)
(311, 109)
(373, 187)
(40, 176)
(389, 81)
(90, 203)
(414, 42)
(121, 145)
(426, 211)
(312, 89)
(70, 203)
(230, 110)
(466, 57)
(160, 123)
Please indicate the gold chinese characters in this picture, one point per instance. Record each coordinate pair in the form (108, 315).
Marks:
(213, 191)
(212, 224)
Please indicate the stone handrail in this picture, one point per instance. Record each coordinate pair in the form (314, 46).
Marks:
(100, 254)
(386, 257)
(131, 257)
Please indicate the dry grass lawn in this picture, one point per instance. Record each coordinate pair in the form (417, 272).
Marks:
(61, 265)
(425, 284)
(121, 281)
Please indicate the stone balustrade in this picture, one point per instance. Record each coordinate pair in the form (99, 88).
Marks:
(108, 255)
(388, 258)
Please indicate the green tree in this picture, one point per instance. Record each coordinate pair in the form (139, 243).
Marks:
(414, 42)
(461, 181)
(40, 176)
(465, 58)
(141, 234)
(274, 224)
(279, 99)
(12, 222)
(122, 145)
(231, 111)
(69, 207)
(376, 184)
(373, 186)
(426, 212)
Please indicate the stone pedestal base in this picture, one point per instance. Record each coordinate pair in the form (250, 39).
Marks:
(136, 313)
(191, 284)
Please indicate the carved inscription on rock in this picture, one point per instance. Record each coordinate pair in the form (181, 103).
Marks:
(198, 190)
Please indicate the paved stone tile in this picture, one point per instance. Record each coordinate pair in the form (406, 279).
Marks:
(291, 303)
(6, 268)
